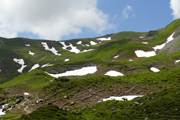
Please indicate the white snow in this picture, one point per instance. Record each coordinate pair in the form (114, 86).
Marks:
(1, 112)
(87, 50)
(93, 43)
(129, 97)
(27, 45)
(46, 65)
(116, 56)
(170, 38)
(34, 67)
(26, 93)
(79, 42)
(21, 62)
(141, 53)
(73, 48)
(159, 46)
(145, 42)
(114, 73)
(176, 61)
(78, 72)
(66, 60)
(141, 37)
(53, 50)
(31, 53)
(86, 44)
(104, 39)
(154, 69)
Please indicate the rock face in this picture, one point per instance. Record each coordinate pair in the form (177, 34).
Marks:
(151, 33)
(135, 104)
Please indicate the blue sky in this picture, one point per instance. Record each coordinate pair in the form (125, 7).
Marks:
(146, 15)
(63, 20)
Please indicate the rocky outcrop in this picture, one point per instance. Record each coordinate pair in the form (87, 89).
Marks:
(151, 33)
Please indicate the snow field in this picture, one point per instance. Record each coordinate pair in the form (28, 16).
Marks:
(114, 73)
(154, 69)
(116, 56)
(73, 48)
(31, 53)
(66, 60)
(104, 39)
(46, 65)
(170, 38)
(21, 62)
(141, 53)
(34, 67)
(26, 93)
(78, 72)
(93, 43)
(129, 97)
(53, 50)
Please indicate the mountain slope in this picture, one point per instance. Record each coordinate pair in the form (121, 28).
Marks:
(125, 63)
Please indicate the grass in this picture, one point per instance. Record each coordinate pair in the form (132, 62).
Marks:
(49, 112)
(33, 80)
(11, 116)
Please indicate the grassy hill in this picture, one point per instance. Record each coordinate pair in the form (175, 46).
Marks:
(76, 97)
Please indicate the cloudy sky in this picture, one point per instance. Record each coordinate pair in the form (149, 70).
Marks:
(70, 19)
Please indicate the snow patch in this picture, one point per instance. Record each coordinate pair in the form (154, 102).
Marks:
(145, 42)
(31, 53)
(79, 42)
(53, 50)
(66, 60)
(141, 53)
(159, 46)
(114, 73)
(26, 93)
(129, 97)
(27, 45)
(86, 44)
(34, 67)
(78, 72)
(46, 65)
(176, 61)
(87, 50)
(21, 62)
(73, 48)
(104, 39)
(170, 38)
(154, 69)
(116, 56)
(93, 43)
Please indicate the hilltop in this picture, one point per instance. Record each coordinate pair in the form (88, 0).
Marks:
(71, 79)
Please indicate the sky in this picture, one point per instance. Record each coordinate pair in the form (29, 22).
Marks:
(73, 19)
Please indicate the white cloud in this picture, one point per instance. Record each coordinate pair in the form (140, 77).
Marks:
(50, 19)
(128, 10)
(174, 5)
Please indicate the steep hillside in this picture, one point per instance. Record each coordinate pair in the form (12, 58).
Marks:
(77, 75)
